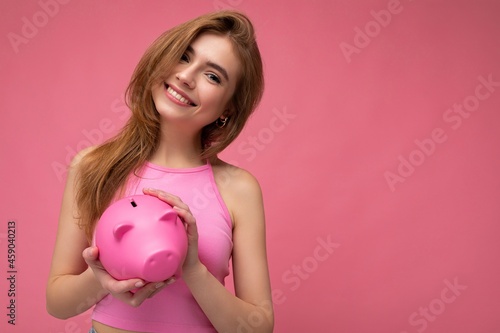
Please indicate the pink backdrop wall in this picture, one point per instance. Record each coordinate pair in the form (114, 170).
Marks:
(376, 144)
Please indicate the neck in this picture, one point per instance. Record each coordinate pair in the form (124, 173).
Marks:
(178, 148)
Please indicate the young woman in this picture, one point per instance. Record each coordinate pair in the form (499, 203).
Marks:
(190, 96)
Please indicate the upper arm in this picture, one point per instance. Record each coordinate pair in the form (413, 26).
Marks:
(70, 240)
(250, 269)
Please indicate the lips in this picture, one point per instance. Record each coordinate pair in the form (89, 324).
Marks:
(179, 96)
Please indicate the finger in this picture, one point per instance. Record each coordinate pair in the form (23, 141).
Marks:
(109, 283)
(150, 191)
(191, 228)
(146, 292)
(159, 193)
(128, 298)
(91, 253)
(127, 294)
(91, 257)
(160, 287)
(180, 208)
(118, 286)
(169, 198)
(185, 215)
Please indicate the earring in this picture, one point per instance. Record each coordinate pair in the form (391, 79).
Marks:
(221, 122)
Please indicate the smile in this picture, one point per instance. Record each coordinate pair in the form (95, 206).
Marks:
(178, 96)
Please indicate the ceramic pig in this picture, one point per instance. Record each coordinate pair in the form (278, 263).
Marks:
(141, 237)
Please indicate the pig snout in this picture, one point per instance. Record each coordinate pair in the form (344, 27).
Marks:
(161, 266)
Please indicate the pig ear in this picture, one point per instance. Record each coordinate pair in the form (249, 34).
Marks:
(121, 229)
(169, 216)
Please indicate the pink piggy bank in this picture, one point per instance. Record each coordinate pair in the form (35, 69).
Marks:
(141, 237)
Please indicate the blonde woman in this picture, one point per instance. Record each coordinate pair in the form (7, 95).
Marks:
(190, 96)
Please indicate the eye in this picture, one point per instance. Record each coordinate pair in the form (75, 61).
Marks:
(184, 58)
(214, 78)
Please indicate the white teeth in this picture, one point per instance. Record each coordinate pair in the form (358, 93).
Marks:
(177, 96)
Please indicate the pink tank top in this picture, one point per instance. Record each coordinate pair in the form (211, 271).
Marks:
(174, 309)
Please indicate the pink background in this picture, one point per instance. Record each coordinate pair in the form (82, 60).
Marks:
(356, 144)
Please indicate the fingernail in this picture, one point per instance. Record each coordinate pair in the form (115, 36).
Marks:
(139, 284)
(170, 281)
(159, 285)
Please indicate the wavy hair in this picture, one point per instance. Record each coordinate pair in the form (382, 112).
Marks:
(104, 171)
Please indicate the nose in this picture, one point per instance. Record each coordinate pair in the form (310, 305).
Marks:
(160, 266)
(185, 76)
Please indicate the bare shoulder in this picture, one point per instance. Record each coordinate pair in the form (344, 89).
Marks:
(239, 189)
(234, 179)
(81, 155)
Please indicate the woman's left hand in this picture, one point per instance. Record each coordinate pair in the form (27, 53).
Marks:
(192, 260)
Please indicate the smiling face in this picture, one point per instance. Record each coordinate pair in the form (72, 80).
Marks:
(200, 87)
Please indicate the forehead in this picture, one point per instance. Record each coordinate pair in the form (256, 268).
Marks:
(217, 49)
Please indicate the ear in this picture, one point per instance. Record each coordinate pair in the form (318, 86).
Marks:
(121, 229)
(228, 110)
(169, 216)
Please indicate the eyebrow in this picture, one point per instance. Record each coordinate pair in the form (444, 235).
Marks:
(211, 64)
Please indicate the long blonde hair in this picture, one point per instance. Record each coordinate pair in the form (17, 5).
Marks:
(103, 172)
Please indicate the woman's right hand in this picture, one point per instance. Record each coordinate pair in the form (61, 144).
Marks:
(132, 292)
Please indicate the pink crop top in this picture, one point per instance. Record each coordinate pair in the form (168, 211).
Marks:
(174, 309)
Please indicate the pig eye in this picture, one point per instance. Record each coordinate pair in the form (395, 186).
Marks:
(133, 203)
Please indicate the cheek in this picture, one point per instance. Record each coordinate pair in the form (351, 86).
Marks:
(157, 91)
(214, 97)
